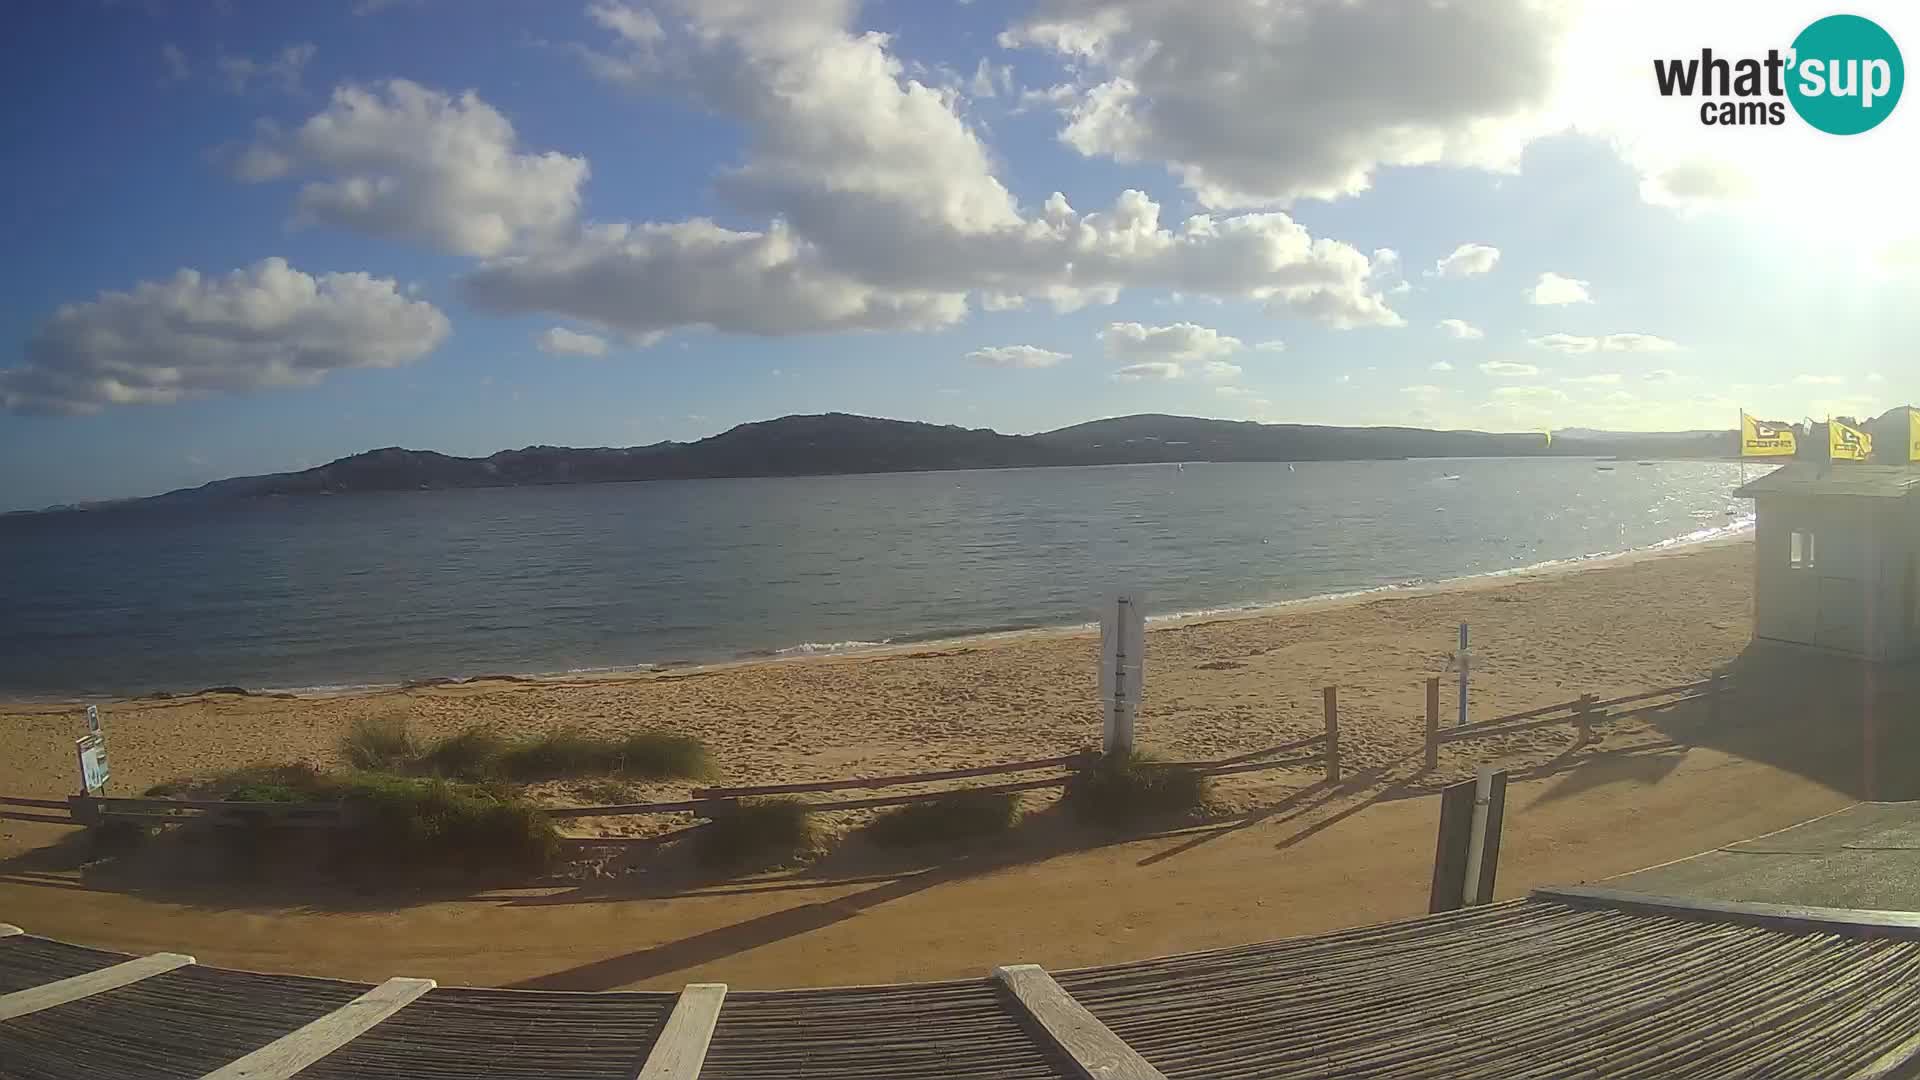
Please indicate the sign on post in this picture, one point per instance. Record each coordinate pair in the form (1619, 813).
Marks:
(1467, 857)
(93, 719)
(1123, 647)
(92, 752)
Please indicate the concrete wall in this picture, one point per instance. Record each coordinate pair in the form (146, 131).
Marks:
(1859, 594)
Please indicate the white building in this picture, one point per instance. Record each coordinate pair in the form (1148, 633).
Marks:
(1837, 558)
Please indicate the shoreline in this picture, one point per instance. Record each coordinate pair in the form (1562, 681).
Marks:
(1739, 531)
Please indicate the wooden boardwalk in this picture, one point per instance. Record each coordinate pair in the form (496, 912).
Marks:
(1567, 983)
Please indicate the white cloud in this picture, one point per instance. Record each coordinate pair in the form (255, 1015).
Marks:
(1466, 261)
(1440, 365)
(1554, 289)
(1425, 390)
(1668, 377)
(1534, 394)
(1255, 103)
(187, 336)
(1818, 380)
(282, 71)
(1875, 377)
(1219, 370)
(178, 69)
(1017, 356)
(1608, 378)
(1271, 346)
(1462, 330)
(560, 341)
(1636, 343)
(1566, 343)
(408, 162)
(1152, 370)
(886, 204)
(1574, 343)
(1508, 369)
(1181, 342)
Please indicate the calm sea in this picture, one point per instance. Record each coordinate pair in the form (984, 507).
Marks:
(371, 589)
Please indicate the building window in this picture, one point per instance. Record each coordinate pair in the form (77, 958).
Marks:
(1800, 553)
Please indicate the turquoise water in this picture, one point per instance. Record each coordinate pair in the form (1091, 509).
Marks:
(373, 589)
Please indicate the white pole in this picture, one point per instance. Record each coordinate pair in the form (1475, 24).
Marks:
(1122, 724)
(1477, 838)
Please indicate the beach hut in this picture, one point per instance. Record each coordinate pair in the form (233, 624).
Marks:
(1837, 554)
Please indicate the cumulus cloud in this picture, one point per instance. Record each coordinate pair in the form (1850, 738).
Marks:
(1153, 370)
(1181, 343)
(883, 205)
(1554, 289)
(1255, 103)
(1271, 346)
(403, 161)
(1017, 356)
(1508, 369)
(1532, 394)
(1462, 330)
(1574, 343)
(1466, 261)
(1440, 365)
(282, 71)
(560, 341)
(190, 335)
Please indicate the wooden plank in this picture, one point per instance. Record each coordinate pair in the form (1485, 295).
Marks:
(303, 1046)
(681, 1049)
(1449, 889)
(926, 796)
(42, 804)
(46, 996)
(112, 805)
(1851, 922)
(1064, 761)
(1665, 691)
(1433, 723)
(8, 930)
(1095, 1050)
(563, 812)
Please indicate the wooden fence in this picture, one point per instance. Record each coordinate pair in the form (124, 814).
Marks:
(1583, 712)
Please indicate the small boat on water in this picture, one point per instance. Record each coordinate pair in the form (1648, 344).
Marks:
(1604, 468)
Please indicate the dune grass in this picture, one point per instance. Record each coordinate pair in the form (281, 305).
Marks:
(380, 744)
(952, 820)
(763, 829)
(479, 754)
(1123, 790)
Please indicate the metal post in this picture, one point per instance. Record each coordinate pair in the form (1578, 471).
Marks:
(1330, 699)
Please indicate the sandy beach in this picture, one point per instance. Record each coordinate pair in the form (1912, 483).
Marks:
(1650, 789)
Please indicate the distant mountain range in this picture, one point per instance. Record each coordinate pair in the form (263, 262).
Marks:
(838, 443)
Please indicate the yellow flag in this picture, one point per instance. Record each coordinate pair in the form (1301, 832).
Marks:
(1847, 443)
(1913, 434)
(1761, 438)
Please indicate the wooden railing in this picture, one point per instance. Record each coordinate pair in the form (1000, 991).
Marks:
(1583, 712)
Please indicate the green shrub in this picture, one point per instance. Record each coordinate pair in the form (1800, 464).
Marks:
(472, 753)
(411, 822)
(659, 755)
(756, 828)
(957, 818)
(1127, 789)
(381, 744)
(643, 755)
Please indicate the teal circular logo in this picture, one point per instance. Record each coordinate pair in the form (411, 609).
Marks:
(1846, 75)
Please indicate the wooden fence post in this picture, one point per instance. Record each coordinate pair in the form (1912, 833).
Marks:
(1330, 699)
(1583, 719)
(1433, 722)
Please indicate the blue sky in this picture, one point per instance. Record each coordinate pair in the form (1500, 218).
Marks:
(254, 237)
